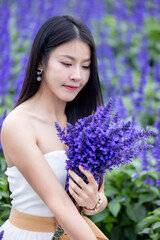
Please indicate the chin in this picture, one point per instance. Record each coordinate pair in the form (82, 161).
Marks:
(70, 99)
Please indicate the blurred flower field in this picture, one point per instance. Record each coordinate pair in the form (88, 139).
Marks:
(127, 37)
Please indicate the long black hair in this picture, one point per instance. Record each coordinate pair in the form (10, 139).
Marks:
(54, 32)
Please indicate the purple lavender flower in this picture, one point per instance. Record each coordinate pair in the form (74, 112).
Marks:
(157, 122)
(149, 181)
(145, 162)
(158, 203)
(1, 234)
(158, 183)
(102, 141)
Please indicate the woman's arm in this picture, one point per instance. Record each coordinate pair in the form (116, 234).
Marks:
(21, 150)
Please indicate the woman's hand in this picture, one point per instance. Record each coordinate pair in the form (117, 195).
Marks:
(86, 195)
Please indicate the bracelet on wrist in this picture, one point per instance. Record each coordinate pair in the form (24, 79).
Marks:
(97, 207)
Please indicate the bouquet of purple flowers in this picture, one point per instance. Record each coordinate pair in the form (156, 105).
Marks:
(102, 141)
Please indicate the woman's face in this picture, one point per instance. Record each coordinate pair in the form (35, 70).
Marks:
(67, 70)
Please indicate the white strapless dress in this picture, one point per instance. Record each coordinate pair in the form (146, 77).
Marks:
(26, 200)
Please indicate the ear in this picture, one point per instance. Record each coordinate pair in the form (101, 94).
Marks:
(41, 64)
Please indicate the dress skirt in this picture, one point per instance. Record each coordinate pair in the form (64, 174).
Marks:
(13, 233)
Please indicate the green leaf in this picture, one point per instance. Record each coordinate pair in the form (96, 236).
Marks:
(141, 225)
(130, 233)
(4, 194)
(157, 211)
(145, 198)
(146, 231)
(100, 216)
(131, 214)
(110, 190)
(136, 212)
(156, 225)
(111, 219)
(151, 219)
(114, 208)
(109, 227)
(155, 236)
(155, 191)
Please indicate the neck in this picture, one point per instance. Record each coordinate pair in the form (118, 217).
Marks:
(47, 105)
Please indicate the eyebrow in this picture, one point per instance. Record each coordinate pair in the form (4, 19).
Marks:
(72, 58)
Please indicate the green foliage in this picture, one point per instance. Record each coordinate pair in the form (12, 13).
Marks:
(4, 194)
(130, 201)
(153, 33)
(150, 225)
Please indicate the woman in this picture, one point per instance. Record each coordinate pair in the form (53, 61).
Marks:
(61, 84)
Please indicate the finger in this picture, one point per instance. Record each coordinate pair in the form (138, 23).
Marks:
(77, 179)
(75, 187)
(75, 196)
(89, 176)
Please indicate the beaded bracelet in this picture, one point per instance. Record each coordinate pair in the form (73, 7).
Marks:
(97, 207)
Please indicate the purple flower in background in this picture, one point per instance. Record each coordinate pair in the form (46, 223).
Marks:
(123, 112)
(145, 162)
(158, 203)
(156, 72)
(158, 183)
(157, 122)
(102, 141)
(149, 181)
(124, 199)
(156, 152)
(5, 49)
(139, 12)
(18, 83)
(1, 235)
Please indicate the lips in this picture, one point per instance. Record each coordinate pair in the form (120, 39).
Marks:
(71, 88)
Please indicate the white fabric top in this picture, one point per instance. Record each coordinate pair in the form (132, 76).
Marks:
(24, 198)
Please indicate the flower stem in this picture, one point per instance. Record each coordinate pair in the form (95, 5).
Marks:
(58, 233)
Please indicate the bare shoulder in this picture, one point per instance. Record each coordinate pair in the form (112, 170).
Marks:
(17, 134)
(16, 121)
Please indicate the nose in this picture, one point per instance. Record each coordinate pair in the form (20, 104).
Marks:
(76, 74)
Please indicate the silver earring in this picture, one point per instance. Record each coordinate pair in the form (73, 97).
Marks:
(39, 75)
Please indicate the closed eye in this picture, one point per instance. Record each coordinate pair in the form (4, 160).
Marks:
(86, 67)
(67, 64)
